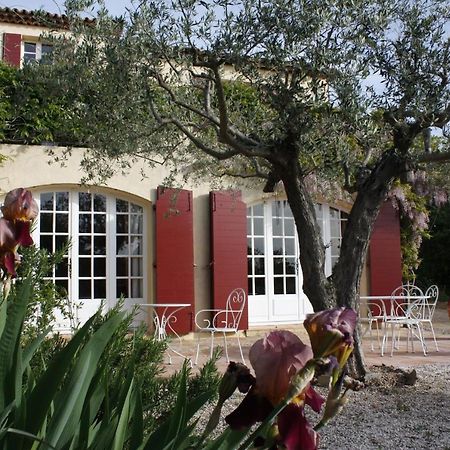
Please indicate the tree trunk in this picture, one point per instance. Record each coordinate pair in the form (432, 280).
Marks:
(312, 251)
(345, 281)
(348, 270)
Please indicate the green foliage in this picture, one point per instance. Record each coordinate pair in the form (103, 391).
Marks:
(413, 210)
(87, 393)
(31, 112)
(47, 298)
(434, 253)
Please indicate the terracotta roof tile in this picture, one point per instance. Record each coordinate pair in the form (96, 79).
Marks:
(35, 18)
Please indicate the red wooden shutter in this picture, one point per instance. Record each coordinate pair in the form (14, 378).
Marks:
(228, 247)
(385, 252)
(11, 48)
(175, 253)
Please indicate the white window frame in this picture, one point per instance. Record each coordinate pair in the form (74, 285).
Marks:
(38, 52)
(111, 233)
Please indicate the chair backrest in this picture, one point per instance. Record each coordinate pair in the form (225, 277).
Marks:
(235, 307)
(430, 303)
(375, 309)
(406, 290)
(407, 309)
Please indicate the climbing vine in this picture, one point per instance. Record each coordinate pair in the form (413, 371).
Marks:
(413, 201)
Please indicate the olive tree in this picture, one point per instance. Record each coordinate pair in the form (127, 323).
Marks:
(335, 97)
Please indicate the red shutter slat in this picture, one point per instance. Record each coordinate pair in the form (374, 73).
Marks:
(228, 247)
(175, 253)
(385, 252)
(11, 48)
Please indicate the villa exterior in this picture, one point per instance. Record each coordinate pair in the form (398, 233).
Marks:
(150, 244)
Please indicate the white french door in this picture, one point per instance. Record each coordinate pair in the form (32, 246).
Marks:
(105, 259)
(274, 274)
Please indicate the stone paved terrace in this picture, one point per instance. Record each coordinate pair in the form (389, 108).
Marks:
(401, 358)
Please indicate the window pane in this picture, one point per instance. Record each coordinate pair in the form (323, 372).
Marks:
(289, 246)
(47, 201)
(250, 286)
(122, 223)
(62, 223)
(334, 214)
(277, 228)
(100, 223)
(135, 208)
(47, 243)
(135, 224)
(335, 247)
(122, 245)
(335, 230)
(99, 267)
(84, 289)
(29, 57)
(289, 266)
(290, 285)
(278, 285)
(258, 227)
(121, 206)
(99, 245)
(249, 246)
(46, 222)
(259, 266)
(260, 286)
(84, 223)
(278, 266)
(99, 203)
(258, 210)
(136, 289)
(62, 269)
(61, 286)
(99, 288)
(289, 227)
(84, 267)
(122, 267)
(61, 241)
(30, 47)
(249, 226)
(277, 246)
(62, 201)
(136, 247)
(258, 246)
(84, 245)
(84, 201)
(136, 267)
(249, 266)
(287, 209)
(122, 288)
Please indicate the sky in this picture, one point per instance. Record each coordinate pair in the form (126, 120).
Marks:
(116, 7)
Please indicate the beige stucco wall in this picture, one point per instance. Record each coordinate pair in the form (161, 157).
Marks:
(31, 167)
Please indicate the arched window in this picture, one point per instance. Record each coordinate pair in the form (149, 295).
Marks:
(105, 258)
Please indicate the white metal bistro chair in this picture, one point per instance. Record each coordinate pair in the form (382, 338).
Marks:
(405, 313)
(374, 314)
(429, 306)
(223, 321)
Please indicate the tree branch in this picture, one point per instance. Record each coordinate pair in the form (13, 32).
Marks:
(434, 157)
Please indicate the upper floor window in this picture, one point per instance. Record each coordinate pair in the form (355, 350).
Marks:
(36, 51)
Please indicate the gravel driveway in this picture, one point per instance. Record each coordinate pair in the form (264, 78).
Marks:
(389, 415)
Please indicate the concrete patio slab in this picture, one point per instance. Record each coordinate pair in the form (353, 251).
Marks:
(401, 357)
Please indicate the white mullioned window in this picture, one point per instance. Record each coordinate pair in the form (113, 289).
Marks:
(105, 259)
(35, 51)
(331, 222)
